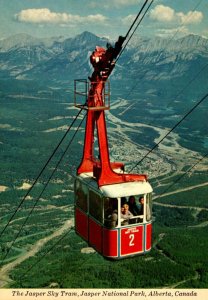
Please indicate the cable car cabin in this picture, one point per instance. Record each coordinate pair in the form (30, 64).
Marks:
(112, 208)
(99, 219)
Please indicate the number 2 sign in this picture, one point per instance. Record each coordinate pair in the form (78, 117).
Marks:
(132, 240)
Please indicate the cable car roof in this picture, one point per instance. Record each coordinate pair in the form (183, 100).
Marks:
(126, 189)
(117, 190)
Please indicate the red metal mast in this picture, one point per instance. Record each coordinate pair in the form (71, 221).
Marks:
(102, 61)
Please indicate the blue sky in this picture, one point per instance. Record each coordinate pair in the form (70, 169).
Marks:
(110, 18)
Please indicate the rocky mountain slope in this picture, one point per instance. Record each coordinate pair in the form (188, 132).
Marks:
(23, 56)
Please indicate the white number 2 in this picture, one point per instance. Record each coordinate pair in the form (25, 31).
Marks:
(131, 237)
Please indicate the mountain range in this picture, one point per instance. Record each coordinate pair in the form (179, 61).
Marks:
(25, 57)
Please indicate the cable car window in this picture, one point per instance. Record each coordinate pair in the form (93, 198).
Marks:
(136, 209)
(110, 212)
(96, 206)
(81, 193)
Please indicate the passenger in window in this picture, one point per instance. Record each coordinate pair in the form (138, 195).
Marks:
(133, 207)
(125, 214)
(112, 213)
(141, 209)
(114, 219)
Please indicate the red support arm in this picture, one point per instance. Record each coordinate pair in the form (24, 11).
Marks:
(102, 168)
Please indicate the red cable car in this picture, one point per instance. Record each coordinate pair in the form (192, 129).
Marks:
(108, 214)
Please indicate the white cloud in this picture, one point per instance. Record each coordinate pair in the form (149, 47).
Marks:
(192, 17)
(128, 19)
(166, 14)
(162, 13)
(44, 15)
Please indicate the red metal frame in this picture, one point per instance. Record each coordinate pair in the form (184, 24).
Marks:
(102, 168)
